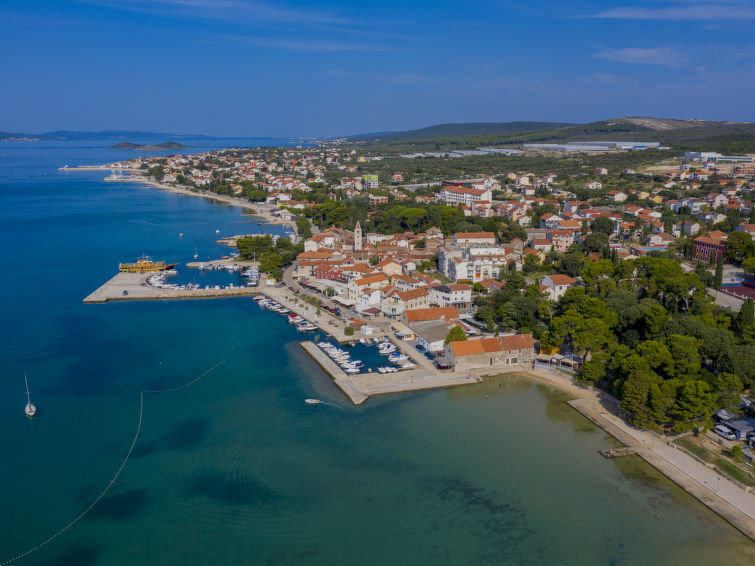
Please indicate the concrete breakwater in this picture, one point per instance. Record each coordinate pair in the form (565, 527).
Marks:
(134, 287)
(359, 387)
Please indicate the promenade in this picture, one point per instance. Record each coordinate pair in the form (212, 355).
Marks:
(724, 497)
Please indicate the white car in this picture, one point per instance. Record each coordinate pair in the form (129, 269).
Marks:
(725, 432)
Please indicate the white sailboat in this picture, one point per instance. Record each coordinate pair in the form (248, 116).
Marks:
(196, 255)
(30, 409)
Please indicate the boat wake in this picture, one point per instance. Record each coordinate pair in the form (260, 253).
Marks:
(110, 485)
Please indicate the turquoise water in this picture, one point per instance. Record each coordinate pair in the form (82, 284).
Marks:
(237, 469)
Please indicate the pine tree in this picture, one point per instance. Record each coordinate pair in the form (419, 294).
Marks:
(719, 276)
(746, 315)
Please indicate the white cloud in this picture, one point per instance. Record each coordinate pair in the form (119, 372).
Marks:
(230, 10)
(704, 10)
(643, 56)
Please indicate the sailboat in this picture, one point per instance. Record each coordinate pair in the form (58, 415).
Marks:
(196, 255)
(30, 409)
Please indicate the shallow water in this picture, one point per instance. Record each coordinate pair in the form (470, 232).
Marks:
(237, 469)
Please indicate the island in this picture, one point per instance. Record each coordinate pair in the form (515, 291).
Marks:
(149, 147)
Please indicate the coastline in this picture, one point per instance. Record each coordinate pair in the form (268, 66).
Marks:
(727, 500)
(730, 502)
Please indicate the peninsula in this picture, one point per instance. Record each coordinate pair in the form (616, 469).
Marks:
(149, 147)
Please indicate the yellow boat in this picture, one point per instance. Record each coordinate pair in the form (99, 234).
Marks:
(145, 264)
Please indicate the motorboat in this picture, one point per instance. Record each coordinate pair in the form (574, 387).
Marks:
(312, 401)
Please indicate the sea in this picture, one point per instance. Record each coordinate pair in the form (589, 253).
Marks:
(234, 467)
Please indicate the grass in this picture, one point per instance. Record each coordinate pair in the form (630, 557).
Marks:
(694, 447)
(734, 471)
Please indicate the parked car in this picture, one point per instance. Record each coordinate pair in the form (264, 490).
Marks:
(420, 348)
(430, 355)
(725, 432)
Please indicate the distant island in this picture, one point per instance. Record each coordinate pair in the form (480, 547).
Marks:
(150, 147)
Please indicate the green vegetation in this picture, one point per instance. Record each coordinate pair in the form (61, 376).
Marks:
(735, 472)
(686, 442)
(456, 334)
(272, 258)
(348, 331)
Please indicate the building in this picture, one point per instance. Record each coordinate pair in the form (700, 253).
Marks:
(462, 195)
(709, 248)
(506, 351)
(370, 181)
(452, 295)
(556, 285)
(358, 237)
(432, 334)
(474, 238)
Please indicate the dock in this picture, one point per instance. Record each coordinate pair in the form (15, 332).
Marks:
(136, 287)
(361, 386)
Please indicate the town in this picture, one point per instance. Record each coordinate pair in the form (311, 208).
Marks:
(637, 281)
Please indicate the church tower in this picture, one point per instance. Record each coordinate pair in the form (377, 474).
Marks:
(358, 243)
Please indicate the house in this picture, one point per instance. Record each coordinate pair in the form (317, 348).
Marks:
(396, 302)
(368, 283)
(556, 285)
(432, 313)
(616, 196)
(453, 295)
(661, 240)
(504, 351)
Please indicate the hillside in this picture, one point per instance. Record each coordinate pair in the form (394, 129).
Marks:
(726, 137)
(456, 130)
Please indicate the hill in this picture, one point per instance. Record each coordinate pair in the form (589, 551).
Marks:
(726, 137)
(456, 130)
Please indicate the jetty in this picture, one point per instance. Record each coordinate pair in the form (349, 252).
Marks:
(134, 287)
(361, 386)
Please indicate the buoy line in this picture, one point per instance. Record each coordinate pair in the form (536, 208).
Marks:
(104, 492)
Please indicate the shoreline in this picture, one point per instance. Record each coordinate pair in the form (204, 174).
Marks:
(733, 504)
(730, 502)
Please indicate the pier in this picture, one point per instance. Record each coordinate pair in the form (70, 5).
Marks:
(361, 386)
(136, 287)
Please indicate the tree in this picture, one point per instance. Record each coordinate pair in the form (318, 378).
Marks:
(719, 276)
(693, 407)
(603, 224)
(456, 334)
(304, 227)
(728, 387)
(349, 331)
(157, 172)
(571, 263)
(745, 317)
(685, 351)
(749, 263)
(271, 263)
(739, 246)
(595, 242)
(531, 263)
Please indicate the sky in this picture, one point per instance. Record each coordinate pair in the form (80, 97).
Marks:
(331, 68)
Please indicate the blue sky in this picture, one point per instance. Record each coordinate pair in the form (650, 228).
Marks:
(263, 68)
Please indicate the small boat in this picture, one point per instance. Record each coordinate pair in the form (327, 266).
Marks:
(30, 409)
(312, 401)
(196, 255)
(180, 234)
(217, 231)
